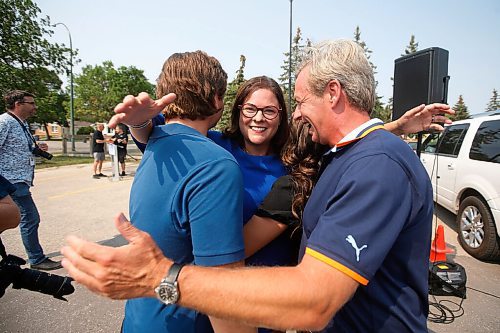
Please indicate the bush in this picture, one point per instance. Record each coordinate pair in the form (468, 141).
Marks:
(85, 130)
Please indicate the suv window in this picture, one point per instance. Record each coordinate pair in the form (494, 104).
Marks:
(486, 144)
(449, 142)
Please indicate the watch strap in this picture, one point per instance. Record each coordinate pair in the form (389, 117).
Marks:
(173, 272)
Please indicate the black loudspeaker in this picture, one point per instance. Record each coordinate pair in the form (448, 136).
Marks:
(420, 78)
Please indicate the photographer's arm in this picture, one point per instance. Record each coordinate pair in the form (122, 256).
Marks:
(421, 118)
(9, 211)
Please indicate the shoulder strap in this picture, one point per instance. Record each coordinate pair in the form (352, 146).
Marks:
(23, 127)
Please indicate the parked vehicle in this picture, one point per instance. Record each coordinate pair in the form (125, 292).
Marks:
(463, 163)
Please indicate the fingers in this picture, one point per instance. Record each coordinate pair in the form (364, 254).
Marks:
(126, 229)
(439, 108)
(415, 110)
(435, 128)
(115, 120)
(79, 268)
(93, 252)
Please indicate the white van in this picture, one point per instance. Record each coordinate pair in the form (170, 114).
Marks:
(463, 163)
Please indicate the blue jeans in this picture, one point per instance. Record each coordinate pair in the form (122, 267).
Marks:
(30, 219)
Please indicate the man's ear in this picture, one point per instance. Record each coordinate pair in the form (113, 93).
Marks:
(334, 90)
(218, 102)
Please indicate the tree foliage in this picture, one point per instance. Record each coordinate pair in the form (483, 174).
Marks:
(412, 47)
(297, 56)
(230, 96)
(494, 103)
(98, 89)
(28, 61)
(461, 111)
(379, 111)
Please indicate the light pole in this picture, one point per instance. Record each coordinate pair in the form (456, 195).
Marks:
(72, 110)
(290, 92)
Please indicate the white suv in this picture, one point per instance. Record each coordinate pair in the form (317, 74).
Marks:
(464, 166)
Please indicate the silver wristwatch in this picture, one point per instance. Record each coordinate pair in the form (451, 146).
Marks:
(167, 291)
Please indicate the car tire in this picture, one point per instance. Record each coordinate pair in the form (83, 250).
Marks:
(477, 233)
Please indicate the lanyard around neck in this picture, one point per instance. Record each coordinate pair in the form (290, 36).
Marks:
(26, 132)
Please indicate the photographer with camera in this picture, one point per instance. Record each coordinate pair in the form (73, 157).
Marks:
(18, 149)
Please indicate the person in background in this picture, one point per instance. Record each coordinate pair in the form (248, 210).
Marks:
(366, 224)
(17, 165)
(120, 139)
(98, 142)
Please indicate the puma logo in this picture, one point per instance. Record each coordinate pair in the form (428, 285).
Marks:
(351, 240)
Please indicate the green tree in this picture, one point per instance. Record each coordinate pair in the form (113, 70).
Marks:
(382, 112)
(297, 56)
(230, 96)
(98, 89)
(412, 47)
(368, 52)
(27, 60)
(494, 103)
(51, 106)
(378, 109)
(461, 111)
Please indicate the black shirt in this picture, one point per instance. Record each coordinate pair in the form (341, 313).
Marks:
(97, 147)
(121, 136)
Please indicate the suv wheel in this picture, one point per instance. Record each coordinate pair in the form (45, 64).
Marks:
(477, 232)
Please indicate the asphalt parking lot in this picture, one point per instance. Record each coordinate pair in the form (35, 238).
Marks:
(72, 202)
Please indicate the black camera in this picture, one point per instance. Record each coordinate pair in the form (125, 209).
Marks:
(38, 152)
(50, 284)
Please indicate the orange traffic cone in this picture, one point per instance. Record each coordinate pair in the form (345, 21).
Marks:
(438, 246)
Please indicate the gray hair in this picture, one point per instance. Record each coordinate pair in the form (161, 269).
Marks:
(345, 61)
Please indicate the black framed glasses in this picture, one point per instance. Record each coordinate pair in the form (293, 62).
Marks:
(269, 112)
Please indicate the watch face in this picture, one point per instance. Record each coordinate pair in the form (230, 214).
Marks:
(168, 293)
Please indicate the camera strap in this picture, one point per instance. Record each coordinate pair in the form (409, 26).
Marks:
(26, 132)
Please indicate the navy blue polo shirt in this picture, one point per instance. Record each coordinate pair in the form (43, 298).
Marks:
(370, 216)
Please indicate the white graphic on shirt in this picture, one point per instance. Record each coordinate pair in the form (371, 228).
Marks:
(351, 240)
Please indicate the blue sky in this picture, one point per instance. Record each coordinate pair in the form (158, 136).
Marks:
(144, 33)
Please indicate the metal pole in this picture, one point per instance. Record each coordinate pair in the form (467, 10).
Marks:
(290, 92)
(71, 103)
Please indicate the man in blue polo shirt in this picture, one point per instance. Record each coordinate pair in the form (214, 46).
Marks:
(367, 225)
(186, 192)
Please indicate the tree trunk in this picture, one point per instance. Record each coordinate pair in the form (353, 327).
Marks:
(46, 131)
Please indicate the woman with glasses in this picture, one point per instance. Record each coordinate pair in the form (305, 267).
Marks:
(256, 135)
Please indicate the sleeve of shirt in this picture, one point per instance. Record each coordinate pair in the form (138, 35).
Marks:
(370, 206)
(4, 129)
(158, 120)
(215, 199)
(6, 188)
(277, 205)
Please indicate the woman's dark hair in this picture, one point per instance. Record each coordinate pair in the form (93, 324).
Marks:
(246, 89)
(301, 156)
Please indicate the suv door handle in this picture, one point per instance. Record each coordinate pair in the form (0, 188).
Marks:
(451, 166)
